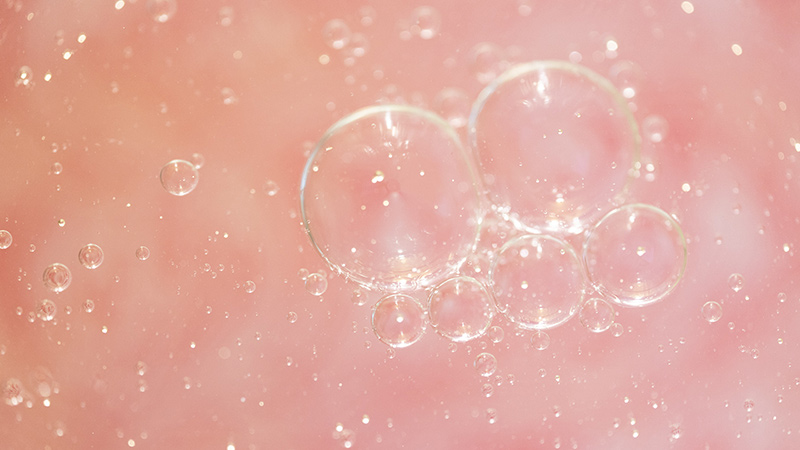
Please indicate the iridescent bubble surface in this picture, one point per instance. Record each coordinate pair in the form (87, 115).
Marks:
(555, 143)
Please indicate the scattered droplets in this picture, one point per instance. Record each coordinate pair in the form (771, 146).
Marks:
(57, 277)
(316, 284)
(142, 253)
(426, 22)
(88, 305)
(389, 198)
(398, 320)
(91, 256)
(249, 286)
(540, 340)
(5, 239)
(597, 315)
(162, 10)
(179, 177)
(555, 143)
(537, 281)
(655, 128)
(336, 34)
(460, 309)
(46, 310)
(635, 255)
(485, 364)
(736, 282)
(711, 311)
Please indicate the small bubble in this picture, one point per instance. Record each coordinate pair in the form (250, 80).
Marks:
(5, 239)
(229, 96)
(198, 160)
(655, 128)
(782, 297)
(179, 177)
(57, 277)
(496, 334)
(316, 284)
(142, 253)
(540, 340)
(359, 297)
(271, 188)
(453, 105)
(46, 310)
(487, 62)
(460, 309)
(425, 22)
(711, 311)
(491, 416)
(91, 256)
(398, 320)
(749, 405)
(487, 390)
(736, 282)
(162, 10)
(597, 315)
(62, 222)
(249, 286)
(336, 34)
(291, 317)
(303, 273)
(226, 16)
(485, 364)
(88, 305)
(627, 77)
(24, 77)
(56, 168)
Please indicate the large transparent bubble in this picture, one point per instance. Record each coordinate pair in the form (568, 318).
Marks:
(537, 281)
(555, 143)
(635, 255)
(390, 198)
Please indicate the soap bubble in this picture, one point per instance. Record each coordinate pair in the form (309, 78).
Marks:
(390, 199)
(316, 284)
(736, 282)
(398, 320)
(537, 281)
(161, 10)
(142, 253)
(556, 143)
(46, 310)
(486, 364)
(597, 315)
(635, 255)
(711, 311)
(5, 239)
(179, 177)
(540, 340)
(460, 309)
(91, 256)
(57, 277)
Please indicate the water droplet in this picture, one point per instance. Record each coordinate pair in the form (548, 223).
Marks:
(249, 286)
(316, 284)
(88, 305)
(46, 310)
(597, 315)
(556, 144)
(179, 177)
(711, 311)
(612, 250)
(537, 281)
(404, 229)
(460, 309)
(142, 253)
(453, 105)
(57, 277)
(496, 334)
(736, 282)
(540, 340)
(485, 364)
(426, 22)
(162, 10)
(398, 320)
(91, 256)
(655, 128)
(291, 317)
(336, 34)
(5, 239)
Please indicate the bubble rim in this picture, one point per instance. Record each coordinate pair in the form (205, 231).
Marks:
(598, 80)
(404, 296)
(180, 161)
(422, 280)
(579, 273)
(607, 293)
(600, 299)
(468, 279)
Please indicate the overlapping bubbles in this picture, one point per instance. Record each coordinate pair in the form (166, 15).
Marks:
(455, 235)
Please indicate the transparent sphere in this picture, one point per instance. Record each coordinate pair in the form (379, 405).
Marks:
(711, 311)
(537, 281)
(635, 255)
(46, 310)
(142, 253)
(179, 177)
(460, 309)
(389, 198)
(5, 239)
(485, 364)
(398, 320)
(596, 315)
(91, 256)
(555, 142)
(57, 277)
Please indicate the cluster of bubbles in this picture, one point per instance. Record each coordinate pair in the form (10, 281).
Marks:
(392, 200)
